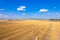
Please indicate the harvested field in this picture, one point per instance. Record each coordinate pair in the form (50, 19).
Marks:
(29, 30)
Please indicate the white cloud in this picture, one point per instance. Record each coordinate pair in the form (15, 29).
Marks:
(43, 10)
(2, 9)
(21, 8)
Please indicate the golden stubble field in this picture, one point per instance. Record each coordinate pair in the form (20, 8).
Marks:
(29, 30)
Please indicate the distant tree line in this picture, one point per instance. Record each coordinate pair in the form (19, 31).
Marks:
(54, 19)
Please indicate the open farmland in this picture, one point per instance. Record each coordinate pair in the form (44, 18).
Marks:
(29, 30)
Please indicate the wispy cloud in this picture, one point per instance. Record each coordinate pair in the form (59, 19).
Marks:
(3, 16)
(23, 14)
(21, 8)
(2, 9)
(43, 10)
(0, 14)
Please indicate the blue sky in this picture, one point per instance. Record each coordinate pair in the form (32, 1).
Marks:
(20, 9)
